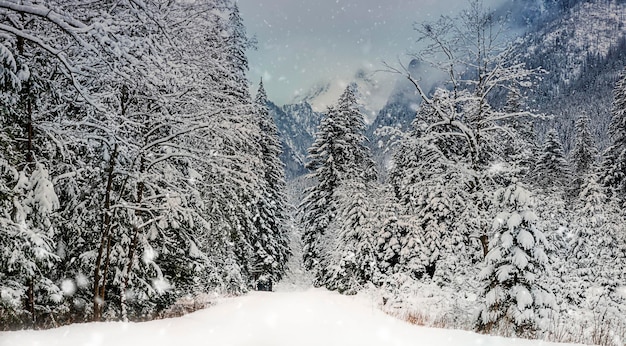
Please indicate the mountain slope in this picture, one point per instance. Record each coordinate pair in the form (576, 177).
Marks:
(296, 125)
(373, 90)
(583, 51)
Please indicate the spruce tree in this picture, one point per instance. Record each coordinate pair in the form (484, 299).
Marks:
(552, 170)
(429, 188)
(513, 300)
(520, 145)
(391, 231)
(584, 153)
(271, 241)
(355, 263)
(614, 158)
(318, 207)
(596, 258)
(338, 155)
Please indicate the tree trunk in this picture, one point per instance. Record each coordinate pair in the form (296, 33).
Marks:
(484, 241)
(105, 242)
(132, 247)
(30, 157)
(30, 294)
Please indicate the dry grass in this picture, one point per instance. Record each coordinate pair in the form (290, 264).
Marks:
(416, 318)
(602, 331)
(419, 318)
(186, 305)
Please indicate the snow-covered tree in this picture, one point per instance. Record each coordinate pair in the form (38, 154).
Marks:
(614, 158)
(141, 113)
(520, 145)
(271, 240)
(435, 228)
(355, 252)
(27, 250)
(390, 232)
(338, 155)
(584, 154)
(462, 128)
(552, 170)
(318, 206)
(596, 259)
(513, 300)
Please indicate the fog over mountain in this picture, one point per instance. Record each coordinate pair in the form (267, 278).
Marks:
(304, 45)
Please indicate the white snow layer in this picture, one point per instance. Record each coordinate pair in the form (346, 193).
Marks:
(314, 317)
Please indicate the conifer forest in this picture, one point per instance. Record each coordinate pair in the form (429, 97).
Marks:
(141, 166)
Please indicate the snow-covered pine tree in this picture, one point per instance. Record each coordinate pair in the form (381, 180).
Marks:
(318, 207)
(614, 158)
(552, 170)
(337, 155)
(584, 154)
(551, 179)
(520, 145)
(428, 188)
(355, 245)
(246, 156)
(355, 263)
(596, 260)
(357, 160)
(513, 300)
(390, 231)
(439, 238)
(271, 243)
(27, 250)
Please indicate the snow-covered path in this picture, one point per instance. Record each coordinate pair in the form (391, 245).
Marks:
(314, 317)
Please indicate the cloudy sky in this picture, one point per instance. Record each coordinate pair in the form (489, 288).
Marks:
(302, 43)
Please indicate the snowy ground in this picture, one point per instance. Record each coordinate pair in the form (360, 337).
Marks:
(313, 317)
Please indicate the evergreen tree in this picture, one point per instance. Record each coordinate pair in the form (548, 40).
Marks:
(552, 170)
(596, 260)
(391, 231)
(520, 145)
(338, 155)
(614, 158)
(513, 300)
(318, 207)
(440, 239)
(356, 157)
(27, 250)
(355, 263)
(271, 243)
(584, 153)
(430, 188)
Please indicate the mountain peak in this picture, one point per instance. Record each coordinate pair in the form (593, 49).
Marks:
(372, 91)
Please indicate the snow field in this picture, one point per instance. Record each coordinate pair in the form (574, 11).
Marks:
(313, 317)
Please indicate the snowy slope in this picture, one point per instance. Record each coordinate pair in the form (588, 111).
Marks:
(591, 28)
(582, 51)
(314, 317)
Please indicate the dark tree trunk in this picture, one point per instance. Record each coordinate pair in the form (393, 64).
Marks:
(105, 243)
(30, 294)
